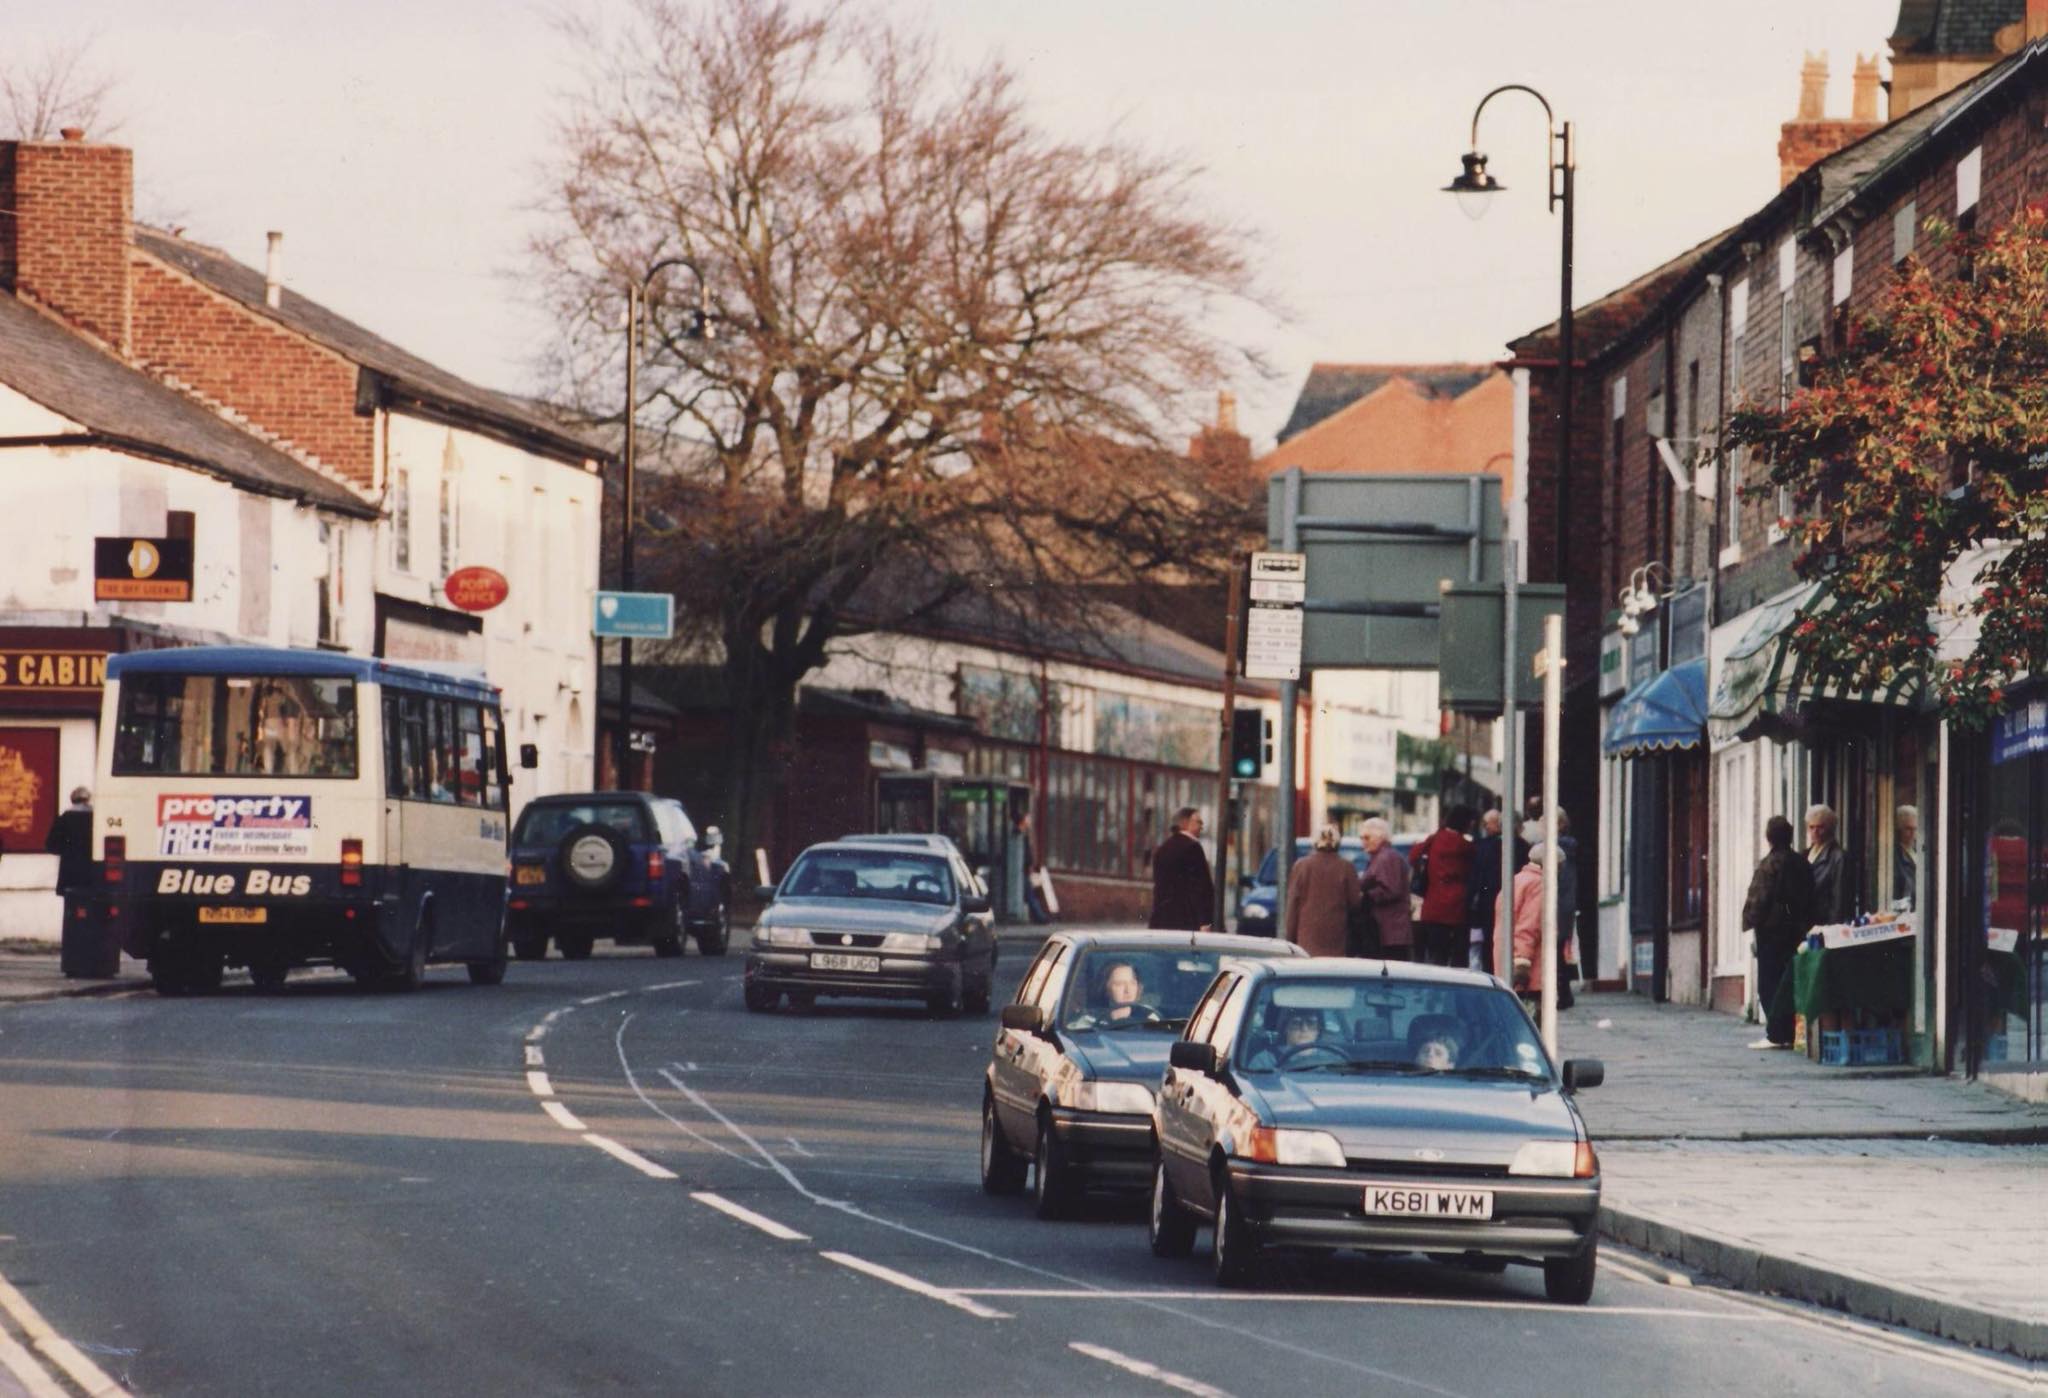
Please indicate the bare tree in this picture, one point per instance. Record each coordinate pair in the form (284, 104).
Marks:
(923, 349)
(45, 91)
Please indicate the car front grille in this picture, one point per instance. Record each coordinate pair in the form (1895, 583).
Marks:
(849, 941)
(1424, 1169)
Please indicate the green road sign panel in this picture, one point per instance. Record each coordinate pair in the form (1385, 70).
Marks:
(634, 615)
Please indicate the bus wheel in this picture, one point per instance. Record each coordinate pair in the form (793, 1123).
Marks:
(413, 974)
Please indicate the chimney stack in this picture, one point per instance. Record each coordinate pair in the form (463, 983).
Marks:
(273, 270)
(66, 245)
(1813, 88)
(1226, 411)
(1813, 136)
(1863, 99)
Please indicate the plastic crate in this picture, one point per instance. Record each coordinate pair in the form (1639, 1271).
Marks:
(1834, 1048)
(1995, 1049)
(1876, 1046)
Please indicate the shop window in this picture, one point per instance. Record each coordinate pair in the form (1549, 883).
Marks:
(401, 520)
(1689, 848)
(1905, 225)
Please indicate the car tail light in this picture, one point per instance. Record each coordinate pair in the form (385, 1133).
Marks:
(115, 868)
(351, 863)
(654, 866)
(1588, 1164)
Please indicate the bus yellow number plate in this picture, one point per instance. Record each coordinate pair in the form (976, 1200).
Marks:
(234, 914)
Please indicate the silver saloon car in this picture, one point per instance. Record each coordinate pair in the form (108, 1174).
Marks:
(1379, 1106)
(1070, 1079)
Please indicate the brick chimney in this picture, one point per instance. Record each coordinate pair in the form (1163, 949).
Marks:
(1812, 136)
(1222, 443)
(67, 213)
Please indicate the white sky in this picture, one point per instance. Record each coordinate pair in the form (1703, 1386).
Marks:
(398, 144)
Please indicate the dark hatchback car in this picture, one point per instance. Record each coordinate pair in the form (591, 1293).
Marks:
(1069, 1083)
(874, 921)
(1385, 1107)
(620, 864)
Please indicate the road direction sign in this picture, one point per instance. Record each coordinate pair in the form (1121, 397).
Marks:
(634, 615)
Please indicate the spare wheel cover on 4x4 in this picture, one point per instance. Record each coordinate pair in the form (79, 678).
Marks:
(592, 857)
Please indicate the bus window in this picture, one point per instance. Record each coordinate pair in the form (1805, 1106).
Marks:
(394, 746)
(236, 725)
(494, 761)
(469, 772)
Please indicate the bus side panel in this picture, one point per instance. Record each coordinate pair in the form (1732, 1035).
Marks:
(450, 859)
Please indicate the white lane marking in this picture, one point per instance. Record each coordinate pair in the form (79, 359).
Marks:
(910, 1283)
(745, 1215)
(1029, 1293)
(683, 1126)
(631, 1157)
(54, 1347)
(797, 1147)
(1146, 1370)
(539, 1085)
(537, 1033)
(564, 1118)
(533, 1057)
(20, 1363)
(593, 999)
(668, 985)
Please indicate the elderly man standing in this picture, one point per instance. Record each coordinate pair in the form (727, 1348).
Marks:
(1824, 856)
(1183, 893)
(1385, 884)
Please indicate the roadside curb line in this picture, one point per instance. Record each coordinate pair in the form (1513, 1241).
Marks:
(1750, 1268)
(87, 1375)
(74, 992)
(2033, 1134)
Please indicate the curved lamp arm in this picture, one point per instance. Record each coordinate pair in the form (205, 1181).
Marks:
(1558, 136)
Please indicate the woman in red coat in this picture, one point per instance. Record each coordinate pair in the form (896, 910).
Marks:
(1445, 864)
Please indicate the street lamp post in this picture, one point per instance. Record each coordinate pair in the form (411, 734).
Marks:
(636, 296)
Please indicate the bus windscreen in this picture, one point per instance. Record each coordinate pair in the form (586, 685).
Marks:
(236, 725)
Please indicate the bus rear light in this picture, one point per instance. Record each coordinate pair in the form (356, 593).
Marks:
(115, 869)
(351, 863)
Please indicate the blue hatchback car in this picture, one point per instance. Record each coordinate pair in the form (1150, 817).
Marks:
(620, 864)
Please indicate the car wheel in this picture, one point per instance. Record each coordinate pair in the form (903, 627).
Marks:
(1235, 1249)
(1172, 1228)
(1052, 1178)
(1003, 1171)
(713, 940)
(530, 948)
(759, 998)
(944, 1004)
(983, 994)
(1570, 1279)
(268, 974)
(576, 948)
(670, 943)
(491, 970)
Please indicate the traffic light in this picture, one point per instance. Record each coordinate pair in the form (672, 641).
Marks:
(1247, 743)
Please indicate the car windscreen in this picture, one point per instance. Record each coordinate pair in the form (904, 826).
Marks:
(878, 873)
(1385, 1024)
(545, 823)
(1114, 988)
(235, 725)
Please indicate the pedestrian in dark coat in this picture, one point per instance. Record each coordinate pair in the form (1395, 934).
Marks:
(70, 839)
(1322, 892)
(1385, 884)
(1824, 857)
(1183, 893)
(1445, 861)
(1779, 910)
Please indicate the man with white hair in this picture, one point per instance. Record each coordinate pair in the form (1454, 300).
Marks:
(1385, 883)
(1824, 857)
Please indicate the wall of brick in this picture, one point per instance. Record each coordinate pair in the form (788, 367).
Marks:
(281, 382)
(72, 207)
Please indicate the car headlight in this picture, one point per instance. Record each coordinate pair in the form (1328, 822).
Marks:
(1259, 910)
(1087, 1095)
(1281, 1145)
(782, 936)
(1553, 1159)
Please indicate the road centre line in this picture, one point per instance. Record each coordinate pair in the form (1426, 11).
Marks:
(1145, 1370)
(913, 1284)
(748, 1216)
(27, 1372)
(631, 1157)
(60, 1351)
(537, 1083)
(536, 1034)
(533, 1057)
(564, 1118)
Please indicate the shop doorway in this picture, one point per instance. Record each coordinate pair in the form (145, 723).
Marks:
(2004, 963)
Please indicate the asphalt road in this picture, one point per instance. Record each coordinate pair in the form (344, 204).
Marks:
(606, 1176)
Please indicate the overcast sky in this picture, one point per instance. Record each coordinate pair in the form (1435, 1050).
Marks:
(398, 143)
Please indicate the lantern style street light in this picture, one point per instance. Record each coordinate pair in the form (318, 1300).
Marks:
(1473, 186)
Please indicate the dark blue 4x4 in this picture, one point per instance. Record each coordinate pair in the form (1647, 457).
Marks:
(620, 864)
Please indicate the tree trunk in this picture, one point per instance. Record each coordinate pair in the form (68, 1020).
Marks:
(762, 730)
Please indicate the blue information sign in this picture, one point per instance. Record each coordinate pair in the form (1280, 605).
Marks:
(634, 614)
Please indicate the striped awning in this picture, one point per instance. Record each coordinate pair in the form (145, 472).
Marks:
(1765, 679)
(1665, 713)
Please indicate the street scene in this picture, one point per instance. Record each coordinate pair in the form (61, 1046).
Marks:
(734, 696)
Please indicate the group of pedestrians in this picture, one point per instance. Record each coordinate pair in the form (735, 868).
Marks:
(1790, 893)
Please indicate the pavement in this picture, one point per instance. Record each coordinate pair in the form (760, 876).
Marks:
(1887, 1193)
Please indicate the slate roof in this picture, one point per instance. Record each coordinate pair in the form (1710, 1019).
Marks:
(1333, 387)
(46, 362)
(1598, 325)
(1938, 27)
(408, 372)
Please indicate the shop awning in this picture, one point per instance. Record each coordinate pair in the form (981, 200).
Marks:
(1664, 713)
(1765, 678)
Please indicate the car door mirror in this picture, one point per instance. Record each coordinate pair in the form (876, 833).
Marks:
(1186, 1053)
(1028, 1019)
(765, 892)
(1583, 1072)
(974, 903)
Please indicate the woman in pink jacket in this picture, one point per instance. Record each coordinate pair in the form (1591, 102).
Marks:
(1524, 951)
